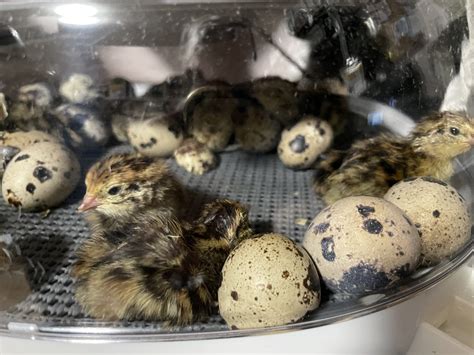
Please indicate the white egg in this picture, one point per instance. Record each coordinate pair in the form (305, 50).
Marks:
(40, 176)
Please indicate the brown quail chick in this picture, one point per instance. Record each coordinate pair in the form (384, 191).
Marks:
(123, 188)
(221, 226)
(371, 166)
(143, 272)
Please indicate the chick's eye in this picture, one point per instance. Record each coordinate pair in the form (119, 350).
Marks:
(114, 190)
(454, 131)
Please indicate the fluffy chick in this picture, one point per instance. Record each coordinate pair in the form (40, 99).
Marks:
(123, 188)
(147, 272)
(221, 226)
(371, 166)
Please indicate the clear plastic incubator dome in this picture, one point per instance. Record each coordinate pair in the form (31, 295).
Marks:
(193, 170)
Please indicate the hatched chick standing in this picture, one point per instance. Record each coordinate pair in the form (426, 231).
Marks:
(370, 167)
(140, 253)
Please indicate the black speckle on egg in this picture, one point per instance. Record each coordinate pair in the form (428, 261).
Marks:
(322, 131)
(22, 157)
(298, 144)
(408, 220)
(42, 174)
(234, 295)
(327, 248)
(436, 213)
(67, 174)
(433, 180)
(360, 279)
(373, 226)
(390, 234)
(365, 210)
(321, 228)
(31, 188)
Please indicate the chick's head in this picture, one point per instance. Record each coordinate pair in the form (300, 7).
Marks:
(444, 135)
(224, 219)
(123, 184)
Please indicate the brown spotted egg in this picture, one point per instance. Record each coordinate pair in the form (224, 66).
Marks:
(362, 244)
(301, 144)
(439, 213)
(266, 281)
(40, 176)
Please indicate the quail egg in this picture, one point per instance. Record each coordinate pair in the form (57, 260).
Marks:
(301, 144)
(83, 127)
(209, 117)
(255, 130)
(362, 244)
(195, 157)
(439, 213)
(78, 88)
(267, 280)
(156, 137)
(278, 97)
(40, 176)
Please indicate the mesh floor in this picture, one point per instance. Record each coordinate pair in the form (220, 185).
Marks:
(279, 200)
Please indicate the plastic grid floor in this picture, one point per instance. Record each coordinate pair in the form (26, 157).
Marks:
(280, 200)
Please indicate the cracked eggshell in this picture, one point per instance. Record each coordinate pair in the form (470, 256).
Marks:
(40, 177)
(158, 137)
(362, 244)
(439, 213)
(266, 281)
(301, 144)
(195, 157)
(22, 140)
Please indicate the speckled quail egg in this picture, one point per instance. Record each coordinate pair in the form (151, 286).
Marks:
(12, 143)
(195, 157)
(255, 130)
(156, 137)
(362, 244)
(83, 127)
(267, 280)
(301, 144)
(209, 117)
(278, 97)
(78, 88)
(40, 176)
(439, 213)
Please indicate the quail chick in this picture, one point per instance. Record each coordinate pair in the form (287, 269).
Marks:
(124, 188)
(221, 226)
(147, 272)
(371, 166)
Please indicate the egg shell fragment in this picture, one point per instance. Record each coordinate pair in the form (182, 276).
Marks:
(266, 281)
(438, 211)
(301, 144)
(40, 177)
(154, 137)
(362, 244)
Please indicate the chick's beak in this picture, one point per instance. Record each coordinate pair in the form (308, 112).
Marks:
(89, 202)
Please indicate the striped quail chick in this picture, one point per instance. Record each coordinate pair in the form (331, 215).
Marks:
(146, 272)
(372, 166)
(221, 226)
